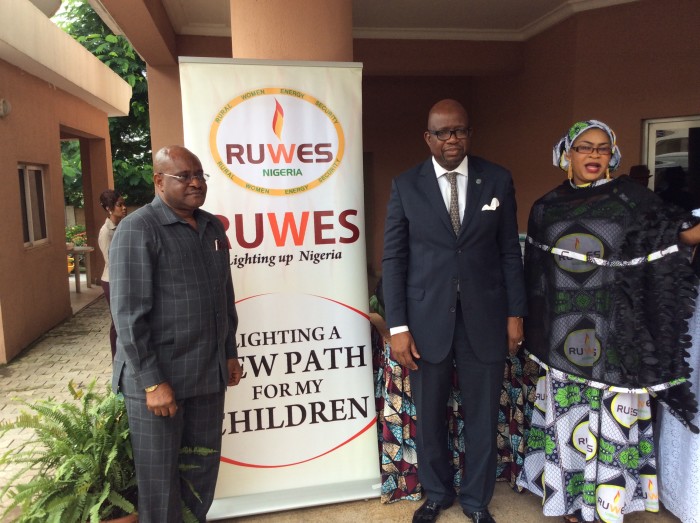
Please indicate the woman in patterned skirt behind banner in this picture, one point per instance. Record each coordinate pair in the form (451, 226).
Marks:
(609, 298)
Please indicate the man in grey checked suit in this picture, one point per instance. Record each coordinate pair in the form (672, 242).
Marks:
(173, 305)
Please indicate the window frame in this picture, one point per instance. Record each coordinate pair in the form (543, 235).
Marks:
(27, 205)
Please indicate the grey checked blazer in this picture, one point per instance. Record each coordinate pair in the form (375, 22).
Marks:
(172, 302)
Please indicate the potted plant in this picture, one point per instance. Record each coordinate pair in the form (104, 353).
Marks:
(79, 465)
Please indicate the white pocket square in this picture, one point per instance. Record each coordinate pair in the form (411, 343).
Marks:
(492, 207)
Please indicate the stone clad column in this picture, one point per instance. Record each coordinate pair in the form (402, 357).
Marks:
(315, 30)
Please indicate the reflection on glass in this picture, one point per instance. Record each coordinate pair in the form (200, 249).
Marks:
(675, 151)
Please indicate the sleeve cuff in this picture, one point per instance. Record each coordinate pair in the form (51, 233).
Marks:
(399, 329)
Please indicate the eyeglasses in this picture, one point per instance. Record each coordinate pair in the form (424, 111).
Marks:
(603, 150)
(188, 178)
(445, 134)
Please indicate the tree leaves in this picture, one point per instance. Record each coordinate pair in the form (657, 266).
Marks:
(130, 135)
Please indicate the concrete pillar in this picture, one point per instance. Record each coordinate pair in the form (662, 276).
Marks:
(166, 106)
(315, 30)
(96, 159)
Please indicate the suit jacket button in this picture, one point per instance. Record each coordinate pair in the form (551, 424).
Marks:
(452, 309)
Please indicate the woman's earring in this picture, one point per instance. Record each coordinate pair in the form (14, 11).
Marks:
(607, 174)
(571, 172)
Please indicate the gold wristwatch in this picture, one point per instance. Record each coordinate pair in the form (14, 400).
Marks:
(151, 388)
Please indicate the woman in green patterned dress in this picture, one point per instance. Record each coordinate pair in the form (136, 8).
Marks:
(609, 295)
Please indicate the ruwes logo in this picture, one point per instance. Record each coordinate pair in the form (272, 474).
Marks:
(585, 244)
(649, 492)
(582, 348)
(625, 409)
(277, 141)
(610, 503)
(584, 441)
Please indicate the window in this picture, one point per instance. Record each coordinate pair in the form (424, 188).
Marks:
(31, 189)
(671, 151)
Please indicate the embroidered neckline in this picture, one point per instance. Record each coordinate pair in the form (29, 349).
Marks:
(590, 185)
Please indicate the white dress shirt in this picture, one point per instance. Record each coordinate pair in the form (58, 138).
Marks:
(444, 184)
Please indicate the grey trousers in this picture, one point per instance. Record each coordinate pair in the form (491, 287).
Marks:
(156, 441)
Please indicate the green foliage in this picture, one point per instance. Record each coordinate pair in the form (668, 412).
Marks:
(76, 235)
(80, 460)
(130, 136)
(72, 173)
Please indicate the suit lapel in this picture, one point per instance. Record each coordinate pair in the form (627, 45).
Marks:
(428, 184)
(475, 185)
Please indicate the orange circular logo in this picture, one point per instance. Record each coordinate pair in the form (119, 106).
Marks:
(277, 141)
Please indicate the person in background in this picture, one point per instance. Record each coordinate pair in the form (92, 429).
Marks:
(454, 295)
(640, 174)
(396, 414)
(676, 189)
(174, 309)
(609, 296)
(113, 204)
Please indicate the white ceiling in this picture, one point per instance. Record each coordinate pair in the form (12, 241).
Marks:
(509, 20)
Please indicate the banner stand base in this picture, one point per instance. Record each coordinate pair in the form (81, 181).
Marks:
(279, 500)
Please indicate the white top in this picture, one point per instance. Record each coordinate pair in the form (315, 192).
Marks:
(104, 239)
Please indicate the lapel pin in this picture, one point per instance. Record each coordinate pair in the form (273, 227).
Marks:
(478, 181)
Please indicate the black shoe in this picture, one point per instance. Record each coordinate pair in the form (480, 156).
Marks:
(480, 516)
(428, 511)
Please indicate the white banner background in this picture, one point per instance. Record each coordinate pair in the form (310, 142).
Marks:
(283, 145)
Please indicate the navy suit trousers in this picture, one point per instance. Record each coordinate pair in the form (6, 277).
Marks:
(480, 385)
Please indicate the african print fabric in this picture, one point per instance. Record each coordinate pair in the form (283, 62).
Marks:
(397, 417)
(517, 399)
(396, 426)
(591, 448)
(607, 331)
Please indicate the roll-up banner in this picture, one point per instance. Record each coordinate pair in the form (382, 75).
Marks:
(282, 142)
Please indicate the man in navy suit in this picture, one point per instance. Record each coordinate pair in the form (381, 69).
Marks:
(455, 297)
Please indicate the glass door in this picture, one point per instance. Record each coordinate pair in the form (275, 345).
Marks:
(672, 152)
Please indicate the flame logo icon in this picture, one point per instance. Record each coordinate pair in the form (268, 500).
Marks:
(617, 497)
(278, 120)
(577, 244)
(587, 341)
(650, 484)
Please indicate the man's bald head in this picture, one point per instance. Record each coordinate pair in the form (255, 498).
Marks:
(447, 106)
(178, 179)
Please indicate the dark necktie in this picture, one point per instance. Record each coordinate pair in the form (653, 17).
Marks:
(454, 202)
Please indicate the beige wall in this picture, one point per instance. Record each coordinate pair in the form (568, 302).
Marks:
(621, 65)
(34, 294)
